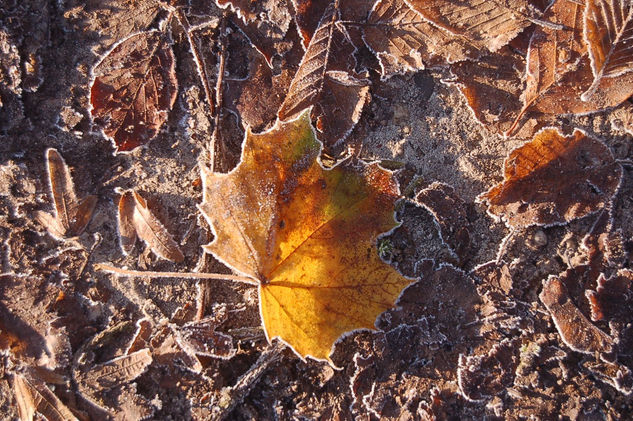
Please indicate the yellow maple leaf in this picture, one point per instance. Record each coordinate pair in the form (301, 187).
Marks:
(306, 234)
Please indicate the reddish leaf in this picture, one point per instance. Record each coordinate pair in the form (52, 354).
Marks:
(134, 88)
(554, 179)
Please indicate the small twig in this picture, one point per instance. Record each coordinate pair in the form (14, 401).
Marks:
(218, 95)
(185, 275)
(97, 240)
(197, 57)
(248, 381)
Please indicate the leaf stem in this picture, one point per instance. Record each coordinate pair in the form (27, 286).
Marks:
(187, 275)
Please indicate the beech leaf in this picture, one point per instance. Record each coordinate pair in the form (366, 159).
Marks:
(403, 40)
(116, 372)
(134, 87)
(307, 235)
(608, 31)
(71, 215)
(554, 179)
(135, 219)
(325, 81)
(488, 24)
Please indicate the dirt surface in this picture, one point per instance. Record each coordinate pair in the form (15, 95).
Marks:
(469, 339)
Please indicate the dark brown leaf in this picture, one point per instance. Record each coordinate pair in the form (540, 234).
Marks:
(325, 81)
(574, 328)
(613, 298)
(449, 211)
(71, 215)
(201, 338)
(307, 16)
(135, 86)
(33, 396)
(404, 41)
(554, 179)
(116, 372)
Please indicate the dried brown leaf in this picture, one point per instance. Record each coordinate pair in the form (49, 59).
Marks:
(487, 24)
(307, 16)
(201, 338)
(613, 297)
(608, 31)
(147, 227)
(403, 40)
(325, 81)
(574, 328)
(33, 396)
(71, 215)
(554, 179)
(127, 231)
(116, 372)
(135, 86)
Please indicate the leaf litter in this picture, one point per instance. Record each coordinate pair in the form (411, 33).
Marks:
(418, 350)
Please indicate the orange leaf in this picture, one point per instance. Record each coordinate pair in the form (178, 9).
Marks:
(306, 234)
(554, 179)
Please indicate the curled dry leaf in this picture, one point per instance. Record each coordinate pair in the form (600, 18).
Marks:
(613, 297)
(325, 81)
(574, 328)
(135, 219)
(609, 35)
(71, 215)
(487, 24)
(33, 396)
(403, 40)
(307, 235)
(554, 179)
(307, 16)
(135, 86)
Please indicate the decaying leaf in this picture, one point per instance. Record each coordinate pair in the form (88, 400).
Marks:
(326, 82)
(608, 32)
(135, 219)
(307, 16)
(404, 41)
(449, 212)
(307, 235)
(492, 86)
(554, 179)
(33, 396)
(135, 86)
(116, 372)
(488, 24)
(574, 328)
(71, 215)
(613, 297)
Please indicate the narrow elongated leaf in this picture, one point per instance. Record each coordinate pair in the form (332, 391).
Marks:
(609, 35)
(488, 24)
(149, 229)
(127, 231)
(116, 372)
(135, 86)
(405, 41)
(325, 81)
(71, 216)
(33, 396)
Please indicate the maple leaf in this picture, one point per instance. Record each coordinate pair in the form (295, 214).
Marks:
(307, 236)
(554, 179)
(135, 86)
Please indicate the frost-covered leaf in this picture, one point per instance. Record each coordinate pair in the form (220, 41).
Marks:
(307, 235)
(116, 372)
(554, 179)
(403, 40)
(33, 396)
(326, 82)
(134, 213)
(71, 215)
(133, 90)
(608, 32)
